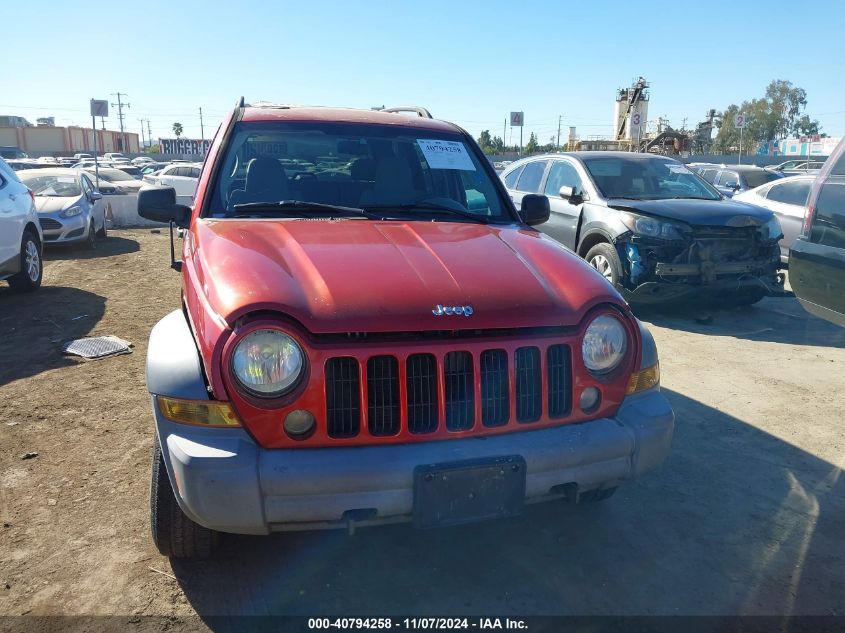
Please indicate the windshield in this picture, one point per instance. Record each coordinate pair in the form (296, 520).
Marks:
(757, 178)
(53, 185)
(388, 168)
(646, 178)
(113, 175)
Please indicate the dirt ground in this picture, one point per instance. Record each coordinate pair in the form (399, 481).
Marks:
(745, 517)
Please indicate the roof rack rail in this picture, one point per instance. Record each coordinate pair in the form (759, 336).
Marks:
(420, 111)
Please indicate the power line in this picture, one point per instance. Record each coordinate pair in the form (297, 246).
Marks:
(120, 105)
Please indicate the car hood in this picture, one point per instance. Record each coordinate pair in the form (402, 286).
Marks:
(52, 204)
(698, 212)
(367, 276)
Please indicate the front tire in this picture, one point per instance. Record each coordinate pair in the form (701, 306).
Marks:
(32, 266)
(90, 242)
(103, 232)
(174, 534)
(604, 258)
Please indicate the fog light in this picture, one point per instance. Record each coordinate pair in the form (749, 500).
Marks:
(299, 423)
(590, 398)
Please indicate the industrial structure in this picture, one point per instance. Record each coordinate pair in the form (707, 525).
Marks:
(47, 140)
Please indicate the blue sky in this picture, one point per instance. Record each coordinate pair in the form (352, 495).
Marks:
(468, 62)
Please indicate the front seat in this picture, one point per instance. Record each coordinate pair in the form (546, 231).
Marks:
(266, 181)
(394, 183)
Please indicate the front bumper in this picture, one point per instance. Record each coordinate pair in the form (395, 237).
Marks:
(56, 229)
(225, 481)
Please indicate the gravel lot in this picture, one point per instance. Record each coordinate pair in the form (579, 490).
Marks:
(745, 517)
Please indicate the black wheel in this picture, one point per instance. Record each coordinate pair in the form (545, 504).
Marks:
(32, 267)
(594, 496)
(90, 242)
(603, 258)
(103, 232)
(174, 534)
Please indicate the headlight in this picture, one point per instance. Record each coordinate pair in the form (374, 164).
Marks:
(69, 213)
(771, 230)
(653, 227)
(604, 345)
(267, 363)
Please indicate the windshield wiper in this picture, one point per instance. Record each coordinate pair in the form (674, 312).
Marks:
(429, 206)
(298, 208)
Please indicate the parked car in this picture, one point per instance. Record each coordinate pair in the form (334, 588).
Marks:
(787, 199)
(817, 258)
(357, 336)
(10, 151)
(82, 156)
(149, 169)
(18, 164)
(183, 177)
(141, 160)
(114, 180)
(66, 203)
(655, 230)
(808, 167)
(21, 242)
(113, 156)
(731, 179)
(128, 168)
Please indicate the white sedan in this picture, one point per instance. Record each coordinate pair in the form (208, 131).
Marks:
(183, 177)
(788, 199)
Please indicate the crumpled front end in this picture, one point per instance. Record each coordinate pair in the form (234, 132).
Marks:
(706, 260)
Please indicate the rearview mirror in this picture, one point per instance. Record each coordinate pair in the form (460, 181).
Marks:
(159, 205)
(535, 209)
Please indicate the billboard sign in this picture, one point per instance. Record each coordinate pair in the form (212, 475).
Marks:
(193, 147)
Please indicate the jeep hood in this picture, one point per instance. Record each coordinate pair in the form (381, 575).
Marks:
(367, 276)
(698, 212)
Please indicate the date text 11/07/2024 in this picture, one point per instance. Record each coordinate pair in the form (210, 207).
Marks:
(414, 624)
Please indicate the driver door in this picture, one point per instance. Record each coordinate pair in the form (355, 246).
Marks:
(565, 212)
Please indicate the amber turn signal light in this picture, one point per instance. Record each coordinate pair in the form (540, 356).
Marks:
(644, 379)
(198, 412)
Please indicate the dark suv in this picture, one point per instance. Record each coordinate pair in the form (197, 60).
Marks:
(652, 227)
(817, 258)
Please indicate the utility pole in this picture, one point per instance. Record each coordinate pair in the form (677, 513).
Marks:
(202, 130)
(149, 133)
(559, 118)
(504, 134)
(120, 105)
(142, 133)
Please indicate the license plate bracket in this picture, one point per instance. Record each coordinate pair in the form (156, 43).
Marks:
(455, 493)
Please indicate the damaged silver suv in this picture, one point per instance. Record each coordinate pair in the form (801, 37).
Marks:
(653, 228)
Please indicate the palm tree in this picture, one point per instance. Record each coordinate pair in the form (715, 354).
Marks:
(177, 129)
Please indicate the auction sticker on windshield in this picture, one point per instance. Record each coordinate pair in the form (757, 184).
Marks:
(446, 154)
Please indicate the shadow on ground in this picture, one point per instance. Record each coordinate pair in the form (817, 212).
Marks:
(774, 319)
(34, 325)
(112, 245)
(737, 521)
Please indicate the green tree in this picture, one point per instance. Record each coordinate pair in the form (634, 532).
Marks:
(177, 129)
(805, 126)
(498, 145)
(531, 147)
(484, 140)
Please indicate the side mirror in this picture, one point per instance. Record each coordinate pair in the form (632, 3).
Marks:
(731, 184)
(159, 205)
(566, 192)
(96, 195)
(535, 209)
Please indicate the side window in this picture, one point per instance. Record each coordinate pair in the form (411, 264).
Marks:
(195, 172)
(790, 193)
(532, 175)
(86, 186)
(7, 174)
(511, 178)
(562, 174)
(709, 175)
(181, 171)
(838, 168)
(829, 219)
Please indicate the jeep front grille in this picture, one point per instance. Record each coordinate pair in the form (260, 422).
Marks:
(459, 390)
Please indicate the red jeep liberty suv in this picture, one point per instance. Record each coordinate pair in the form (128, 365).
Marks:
(371, 333)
